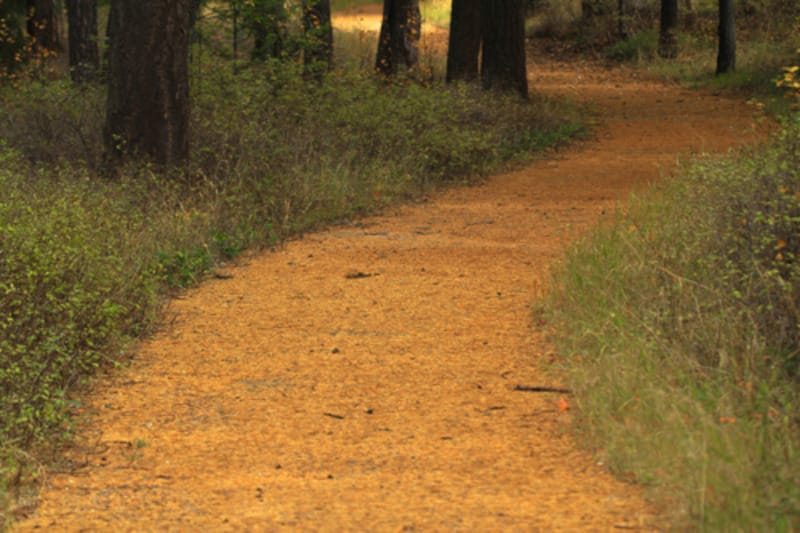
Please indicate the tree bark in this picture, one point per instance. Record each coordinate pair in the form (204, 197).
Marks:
(622, 29)
(148, 80)
(43, 25)
(318, 54)
(398, 42)
(464, 45)
(84, 58)
(726, 55)
(503, 65)
(667, 37)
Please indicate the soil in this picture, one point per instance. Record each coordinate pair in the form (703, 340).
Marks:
(364, 377)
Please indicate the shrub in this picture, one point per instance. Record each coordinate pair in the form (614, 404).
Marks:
(678, 328)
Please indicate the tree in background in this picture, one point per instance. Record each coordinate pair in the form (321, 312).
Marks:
(84, 58)
(726, 55)
(12, 40)
(690, 16)
(503, 64)
(43, 25)
(622, 29)
(398, 41)
(148, 80)
(267, 21)
(318, 32)
(667, 37)
(463, 49)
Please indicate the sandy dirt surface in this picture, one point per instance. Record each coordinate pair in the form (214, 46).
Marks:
(363, 378)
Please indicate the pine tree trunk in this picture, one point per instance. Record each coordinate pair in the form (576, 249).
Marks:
(503, 64)
(318, 55)
(622, 30)
(148, 80)
(464, 46)
(398, 42)
(667, 38)
(726, 56)
(84, 58)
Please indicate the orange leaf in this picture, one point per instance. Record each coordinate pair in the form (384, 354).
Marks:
(563, 405)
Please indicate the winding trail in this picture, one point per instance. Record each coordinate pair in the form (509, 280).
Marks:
(362, 379)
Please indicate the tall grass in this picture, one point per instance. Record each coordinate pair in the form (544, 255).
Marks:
(678, 329)
(86, 260)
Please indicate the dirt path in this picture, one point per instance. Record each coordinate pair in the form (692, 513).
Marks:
(362, 379)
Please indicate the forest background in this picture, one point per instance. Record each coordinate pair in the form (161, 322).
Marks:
(282, 126)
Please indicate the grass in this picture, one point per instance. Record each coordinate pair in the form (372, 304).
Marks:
(678, 331)
(436, 12)
(764, 46)
(759, 62)
(87, 261)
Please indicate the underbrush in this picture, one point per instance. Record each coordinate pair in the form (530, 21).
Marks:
(760, 55)
(758, 60)
(679, 331)
(87, 258)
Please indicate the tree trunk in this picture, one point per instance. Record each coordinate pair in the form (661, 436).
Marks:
(726, 56)
(84, 58)
(622, 29)
(148, 80)
(398, 41)
(667, 38)
(318, 54)
(43, 24)
(464, 46)
(503, 63)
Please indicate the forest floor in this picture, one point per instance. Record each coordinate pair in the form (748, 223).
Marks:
(364, 377)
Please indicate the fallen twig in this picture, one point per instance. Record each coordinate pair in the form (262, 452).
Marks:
(528, 388)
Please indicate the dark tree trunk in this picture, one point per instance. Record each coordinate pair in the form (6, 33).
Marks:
(464, 46)
(268, 23)
(622, 29)
(667, 37)
(194, 12)
(398, 41)
(726, 56)
(503, 64)
(148, 80)
(84, 59)
(43, 23)
(318, 54)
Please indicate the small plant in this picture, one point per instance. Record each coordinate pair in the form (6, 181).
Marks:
(639, 47)
(790, 82)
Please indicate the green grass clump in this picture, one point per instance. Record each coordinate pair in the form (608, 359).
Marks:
(86, 258)
(678, 329)
(640, 47)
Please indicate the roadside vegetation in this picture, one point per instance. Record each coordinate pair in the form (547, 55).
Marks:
(88, 256)
(678, 324)
(766, 35)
